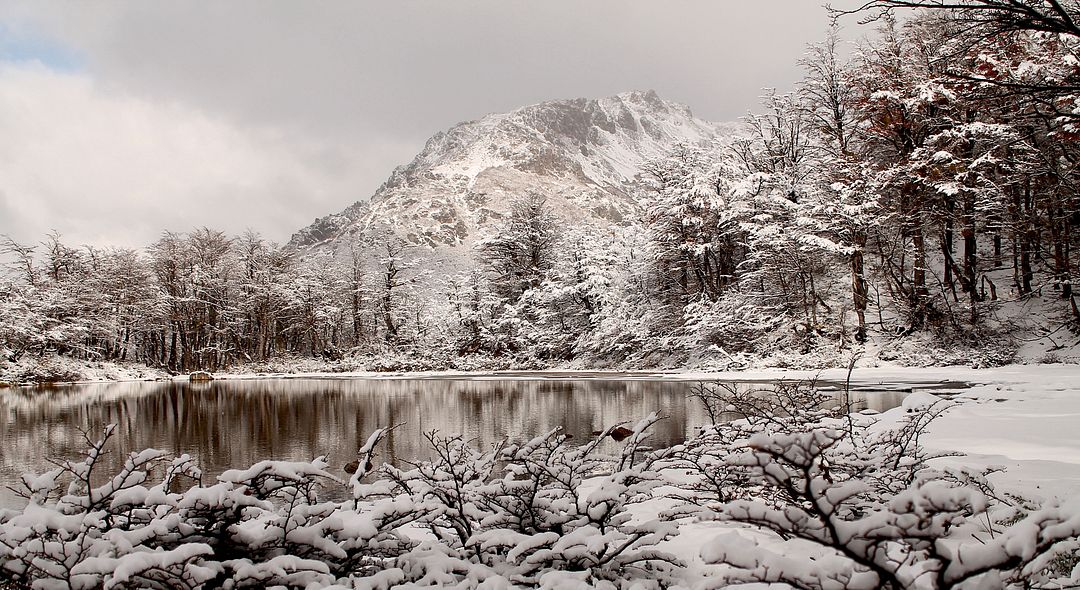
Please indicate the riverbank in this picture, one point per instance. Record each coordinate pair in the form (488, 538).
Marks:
(917, 351)
(1023, 417)
(866, 371)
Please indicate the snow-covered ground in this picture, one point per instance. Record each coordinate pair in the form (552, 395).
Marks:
(1024, 418)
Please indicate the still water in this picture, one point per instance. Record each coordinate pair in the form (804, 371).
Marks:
(230, 424)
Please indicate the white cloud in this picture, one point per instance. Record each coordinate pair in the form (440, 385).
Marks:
(268, 113)
(108, 168)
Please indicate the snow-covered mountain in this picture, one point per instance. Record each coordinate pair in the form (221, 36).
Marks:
(584, 155)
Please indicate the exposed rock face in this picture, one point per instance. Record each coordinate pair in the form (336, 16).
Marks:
(584, 155)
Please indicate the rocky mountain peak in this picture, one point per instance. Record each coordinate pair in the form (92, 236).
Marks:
(585, 155)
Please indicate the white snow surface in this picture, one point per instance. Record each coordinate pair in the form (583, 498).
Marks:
(1024, 418)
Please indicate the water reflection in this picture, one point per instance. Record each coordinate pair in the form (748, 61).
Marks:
(226, 424)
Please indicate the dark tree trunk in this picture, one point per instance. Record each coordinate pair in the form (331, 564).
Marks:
(859, 289)
(918, 279)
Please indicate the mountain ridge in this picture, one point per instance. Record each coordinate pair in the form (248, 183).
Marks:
(584, 155)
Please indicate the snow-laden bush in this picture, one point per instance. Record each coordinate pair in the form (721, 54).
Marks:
(550, 511)
(540, 514)
(848, 501)
(258, 527)
(816, 497)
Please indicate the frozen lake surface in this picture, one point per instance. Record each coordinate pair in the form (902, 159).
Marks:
(235, 423)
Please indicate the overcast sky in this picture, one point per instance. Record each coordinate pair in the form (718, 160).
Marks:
(119, 120)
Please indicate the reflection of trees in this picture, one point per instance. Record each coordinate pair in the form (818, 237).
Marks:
(226, 424)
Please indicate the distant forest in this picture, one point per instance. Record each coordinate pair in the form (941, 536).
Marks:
(923, 183)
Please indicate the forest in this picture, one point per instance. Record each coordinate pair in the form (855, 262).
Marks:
(921, 185)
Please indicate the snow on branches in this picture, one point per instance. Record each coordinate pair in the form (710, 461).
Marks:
(539, 514)
(793, 489)
(849, 501)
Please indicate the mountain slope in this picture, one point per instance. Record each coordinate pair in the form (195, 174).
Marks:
(584, 155)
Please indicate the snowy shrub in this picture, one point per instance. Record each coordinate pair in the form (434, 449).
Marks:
(734, 325)
(856, 500)
(736, 413)
(540, 514)
(816, 497)
(258, 527)
(550, 511)
(923, 350)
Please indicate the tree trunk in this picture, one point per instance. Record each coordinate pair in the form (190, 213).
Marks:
(947, 248)
(918, 279)
(859, 288)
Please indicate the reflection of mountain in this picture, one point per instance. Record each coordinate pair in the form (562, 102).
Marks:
(227, 424)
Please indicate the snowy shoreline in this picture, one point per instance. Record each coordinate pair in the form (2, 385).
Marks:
(1023, 417)
(892, 374)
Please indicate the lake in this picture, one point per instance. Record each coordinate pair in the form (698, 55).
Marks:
(230, 424)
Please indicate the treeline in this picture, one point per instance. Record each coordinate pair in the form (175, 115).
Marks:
(922, 184)
(915, 186)
(200, 300)
(926, 183)
(206, 301)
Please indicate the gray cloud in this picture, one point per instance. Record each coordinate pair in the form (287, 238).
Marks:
(298, 109)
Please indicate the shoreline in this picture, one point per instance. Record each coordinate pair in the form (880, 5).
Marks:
(862, 376)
